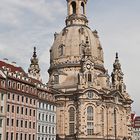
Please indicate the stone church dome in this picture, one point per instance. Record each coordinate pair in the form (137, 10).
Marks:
(71, 41)
(70, 44)
(89, 106)
(74, 47)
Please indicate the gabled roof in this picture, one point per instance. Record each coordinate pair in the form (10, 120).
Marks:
(116, 92)
(12, 67)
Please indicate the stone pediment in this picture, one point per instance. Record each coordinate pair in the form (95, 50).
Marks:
(117, 94)
(91, 93)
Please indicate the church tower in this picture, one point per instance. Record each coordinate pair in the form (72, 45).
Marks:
(34, 70)
(89, 106)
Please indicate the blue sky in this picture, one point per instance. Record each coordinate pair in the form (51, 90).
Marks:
(29, 23)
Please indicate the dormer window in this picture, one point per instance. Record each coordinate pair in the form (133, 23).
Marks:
(56, 79)
(61, 50)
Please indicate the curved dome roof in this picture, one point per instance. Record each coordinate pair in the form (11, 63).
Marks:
(70, 42)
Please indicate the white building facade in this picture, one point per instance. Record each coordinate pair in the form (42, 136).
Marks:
(46, 117)
(136, 128)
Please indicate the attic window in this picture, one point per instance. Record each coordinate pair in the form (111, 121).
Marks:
(56, 79)
(61, 50)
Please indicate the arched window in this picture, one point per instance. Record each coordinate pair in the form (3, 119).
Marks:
(73, 4)
(82, 8)
(90, 113)
(56, 78)
(71, 120)
(61, 50)
(90, 123)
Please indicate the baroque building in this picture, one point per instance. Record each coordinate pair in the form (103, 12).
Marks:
(27, 106)
(91, 104)
(135, 126)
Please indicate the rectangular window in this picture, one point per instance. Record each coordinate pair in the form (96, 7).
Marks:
(8, 95)
(21, 136)
(33, 125)
(0, 122)
(25, 124)
(26, 100)
(30, 101)
(12, 136)
(29, 136)
(33, 137)
(39, 128)
(12, 122)
(1, 109)
(7, 121)
(25, 137)
(8, 108)
(53, 119)
(18, 98)
(90, 132)
(46, 117)
(13, 97)
(34, 113)
(90, 126)
(22, 99)
(17, 109)
(53, 130)
(21, 110)
(71, 126)
(34, 102)
(29, 124)
(2, 95)
(42, 117)
(90, 117)
(42, 129)
(30, 112)
(7, 135)
(12, 109)
(46, 129)
(17, 123)
(39, 116)
(21, 123)
(16, 136)
(26, 111)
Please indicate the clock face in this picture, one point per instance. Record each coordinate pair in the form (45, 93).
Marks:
(88, 66)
